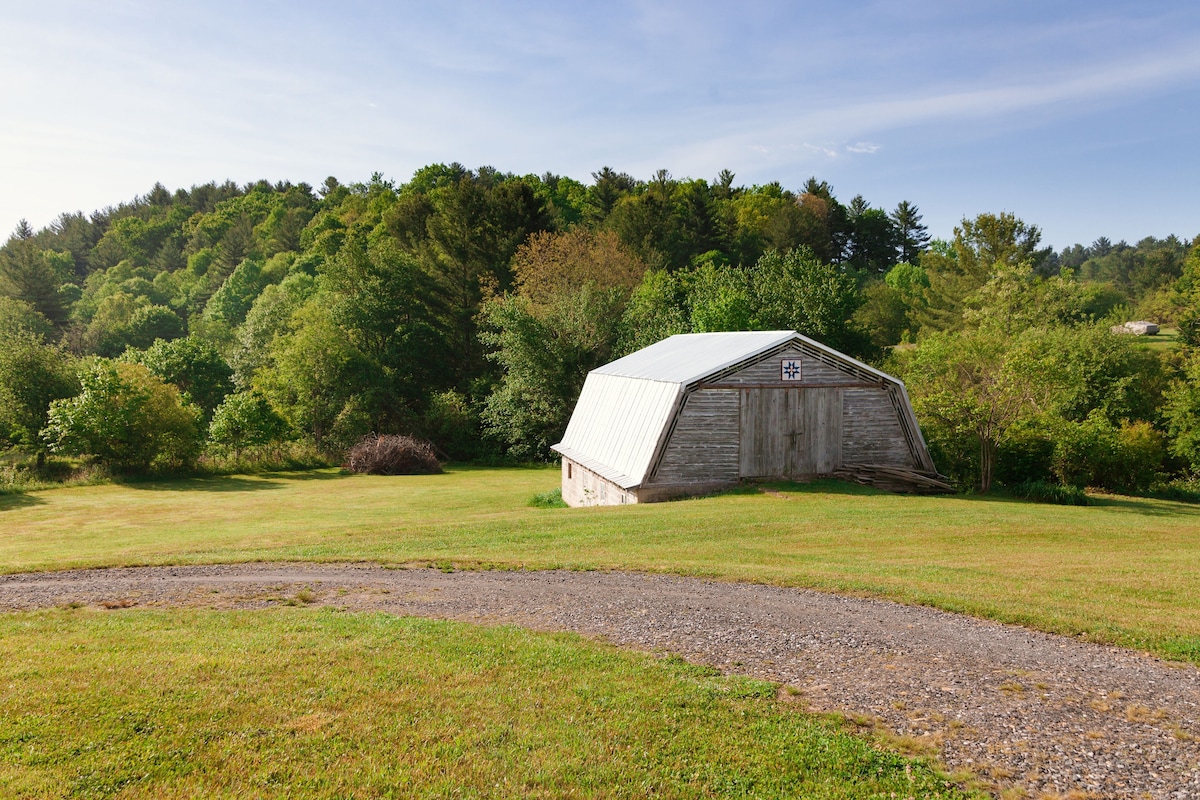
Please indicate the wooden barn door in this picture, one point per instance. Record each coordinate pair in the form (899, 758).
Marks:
(790, 432)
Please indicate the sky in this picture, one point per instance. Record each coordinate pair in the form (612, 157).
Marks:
(1082, 118)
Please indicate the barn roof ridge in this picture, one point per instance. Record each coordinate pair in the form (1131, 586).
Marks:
(688, 358)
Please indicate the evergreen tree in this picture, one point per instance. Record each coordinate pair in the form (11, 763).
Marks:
(913, 237)
(34, 276)
(609, 187)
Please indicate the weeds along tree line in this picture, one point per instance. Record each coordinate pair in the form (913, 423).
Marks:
(242, 325)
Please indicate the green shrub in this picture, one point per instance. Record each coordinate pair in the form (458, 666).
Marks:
(1120, 458)
(276, 456)
(1026, 453)
(126, 417)
(1188, 324)
(1182, 411)
(246, 419)
(1183, 490)
(21, 472)
(1140, 451)
(1043, 492)
(452, 426)
(551, 499)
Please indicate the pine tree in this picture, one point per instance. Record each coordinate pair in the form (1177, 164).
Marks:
(912, 235)
(33, 276)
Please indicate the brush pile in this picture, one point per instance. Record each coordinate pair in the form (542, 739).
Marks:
(392, 455)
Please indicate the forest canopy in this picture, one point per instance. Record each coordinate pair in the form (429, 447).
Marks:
(466, 306)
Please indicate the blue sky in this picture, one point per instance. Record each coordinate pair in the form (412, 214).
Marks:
(1081, 118)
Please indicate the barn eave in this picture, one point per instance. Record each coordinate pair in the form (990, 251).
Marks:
(603, 470)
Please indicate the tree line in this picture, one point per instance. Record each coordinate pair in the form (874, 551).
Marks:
(466, 307)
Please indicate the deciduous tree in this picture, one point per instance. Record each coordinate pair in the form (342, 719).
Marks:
(800, 292)
(246, 419)
(125, 416)
(194, 367)
(33, 374)
(981, 247)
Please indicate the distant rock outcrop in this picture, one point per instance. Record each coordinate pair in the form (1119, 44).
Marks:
(1139, 328)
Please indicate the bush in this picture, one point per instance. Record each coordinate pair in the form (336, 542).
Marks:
(550, 499)
(276, 456)
(1182, 412)
(1095, 452)
(452, 426)
(1026, 453)
(1183, 490)
(20, 472)
(246, 419)
(392, 455)
(126, 417)
(1043, 492)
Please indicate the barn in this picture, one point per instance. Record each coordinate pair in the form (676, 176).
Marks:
(699, 412)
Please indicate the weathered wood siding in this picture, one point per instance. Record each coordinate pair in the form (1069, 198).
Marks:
(821, 452)
(871, 429)
(703, 447)
(790, 432)
(685, 435)
(813, 370)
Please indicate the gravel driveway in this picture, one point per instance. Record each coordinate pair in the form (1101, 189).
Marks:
(1019, 708)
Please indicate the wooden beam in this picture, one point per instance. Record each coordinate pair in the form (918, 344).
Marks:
(791, 385)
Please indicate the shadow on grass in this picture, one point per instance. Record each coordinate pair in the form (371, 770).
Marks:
(8, 502)
(1142, 506)
(323, 475)
(257, 482)
(820, 486)
(1147, 506)
(223, 483)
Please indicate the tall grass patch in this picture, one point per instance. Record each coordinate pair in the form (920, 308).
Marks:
(304, 703)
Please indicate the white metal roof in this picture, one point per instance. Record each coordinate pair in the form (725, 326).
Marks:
(626, 405)
(616, 425)
(687, 357)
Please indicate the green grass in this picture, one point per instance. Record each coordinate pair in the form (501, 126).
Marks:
(1165, 339)
(550, 499)
(304, 703)
(1123, 570)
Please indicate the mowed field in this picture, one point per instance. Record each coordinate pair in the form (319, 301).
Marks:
(307, 702)
(295, 702)
(1125, 571)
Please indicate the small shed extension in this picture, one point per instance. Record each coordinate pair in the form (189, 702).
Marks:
(699, 412)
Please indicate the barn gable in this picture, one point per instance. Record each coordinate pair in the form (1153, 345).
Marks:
(698, 411)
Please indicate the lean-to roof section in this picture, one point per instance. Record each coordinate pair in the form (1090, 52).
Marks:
(617, 424)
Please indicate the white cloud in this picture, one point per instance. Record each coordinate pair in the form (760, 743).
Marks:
(761, 139)
(825, 151)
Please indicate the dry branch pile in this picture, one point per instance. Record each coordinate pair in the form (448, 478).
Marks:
(392, 455)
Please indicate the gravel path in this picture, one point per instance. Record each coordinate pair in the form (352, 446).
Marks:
(1018, 708)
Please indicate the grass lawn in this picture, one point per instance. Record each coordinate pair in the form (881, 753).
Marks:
(306, 703)
(1165, 339)
(1125, 570)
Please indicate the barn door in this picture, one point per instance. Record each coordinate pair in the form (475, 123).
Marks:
(790, 432)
